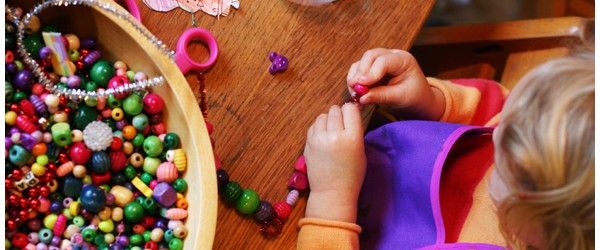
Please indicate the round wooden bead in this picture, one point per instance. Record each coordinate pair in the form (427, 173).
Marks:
(101, 72)
(105, 213)
(151, 165)
(133, 105)
(136, 160)
(248, 202)
(106, 226)
(140, 122)
(180, 231)
(175, 244)
(166, 172)
(180, 185)
(153, 146)
(77, 135)
(32, 27)
(79, 171)
(117, 114)
(232, 192)
(157, 235)
(118, 160)
(134, 212)
(70, 230)
(264, 212)
(122, 195)
(100, 162)
(282, 209)
(171, 141)
(361, 89)
(174, 223)
(74, 42)
(92, 198)
(80, 153)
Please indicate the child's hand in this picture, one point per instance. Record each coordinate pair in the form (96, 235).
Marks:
(407, 93)
(336, 162)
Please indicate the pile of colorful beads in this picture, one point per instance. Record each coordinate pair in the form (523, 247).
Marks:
(95, 173)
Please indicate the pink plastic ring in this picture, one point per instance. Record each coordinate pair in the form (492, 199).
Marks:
(133, 8)
(183, 60)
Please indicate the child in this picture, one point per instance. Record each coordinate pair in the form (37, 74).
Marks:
(541, 188)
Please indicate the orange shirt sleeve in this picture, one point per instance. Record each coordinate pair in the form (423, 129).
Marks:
(318, 233)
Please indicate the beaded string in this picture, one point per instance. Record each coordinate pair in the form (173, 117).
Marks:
(270, 217)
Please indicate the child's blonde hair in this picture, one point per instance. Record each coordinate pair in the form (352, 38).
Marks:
(545, 155)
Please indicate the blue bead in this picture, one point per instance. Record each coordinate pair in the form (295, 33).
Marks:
(56, 207)
(100, 162)
(92, 198)
(71, 186)
(18, 155)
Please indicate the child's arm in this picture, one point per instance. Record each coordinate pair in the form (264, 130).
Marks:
(407, 93)
(336, 165)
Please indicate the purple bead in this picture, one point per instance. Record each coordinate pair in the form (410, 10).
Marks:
(264, 211)
(38, 104)
(24, 80)
(280, 63)
(116, 247)
(7, 142)
(27, 140)
(41, 246)
(272, 56)
(164, 194)
(56, 207)
(110, 199)
(56, 240)
(161, 223)
(123, 241)
(222, 178)
(73, 81)
(14, 130)
(53, 248)
(12, 68)
(121, 124)
(34, 225)
(87, 215)
(91, 58)
(45, 53)
(130, 186)
(89, 43)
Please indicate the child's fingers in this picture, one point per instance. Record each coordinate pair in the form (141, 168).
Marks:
(352, 118)
(385, 95)
(320, 124)
(365, 64)
(334, 119)
(395, 64)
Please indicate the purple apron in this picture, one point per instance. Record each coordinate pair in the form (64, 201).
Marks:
(399, 205)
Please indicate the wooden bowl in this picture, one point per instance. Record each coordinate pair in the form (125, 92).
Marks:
(119, 40)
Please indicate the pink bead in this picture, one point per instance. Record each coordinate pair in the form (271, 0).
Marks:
(209, 127)
(361, 89)
(121, 72)
(162, 137)
(116, 82)
(301, 164)
(176, 214)
(106, 113)
(166, 172)
(118, 160)
(41, 246)
(152, 184)
(292, 197)
(158, 128)
(44, 205)
(65, 169)
(283, 210)
(153, 104)
(77, 239)
(33, 237)
(47, 137)
(30, 246)
(217, 162)
(298, 181)
(60, 225)
(80, 153)
(25, 124)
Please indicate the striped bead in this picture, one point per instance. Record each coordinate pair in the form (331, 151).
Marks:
(166, 172)
(38, 104)
(176, 214)
(264, 211)
(118, 160)
(232, 192)
(283, 210)
(292, 197)
(65, 169)
(180, 159)
(25, 124)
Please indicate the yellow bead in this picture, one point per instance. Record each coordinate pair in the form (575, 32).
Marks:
(157, 234)
(117, 114)
(117, 214)
(53, 185)
(180, 231)
(77, 135)
(67, 213)
(75, 208)
(60, 116)
(33, 25)
(180, 159)
(10, 118)
(50, 220)
(136, 160)
(106, 226)
(74, 42)
(38, 169)
(79, 171)
(122, 195)
(140, 185)
(109, 238)
(180, 196)
(105, 213)
(87, 179)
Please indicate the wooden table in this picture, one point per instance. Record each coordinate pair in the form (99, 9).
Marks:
(261, 119)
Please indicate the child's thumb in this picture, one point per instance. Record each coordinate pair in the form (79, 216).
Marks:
(383, 95)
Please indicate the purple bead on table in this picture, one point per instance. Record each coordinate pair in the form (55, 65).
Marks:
(279, 63)
(264, 211)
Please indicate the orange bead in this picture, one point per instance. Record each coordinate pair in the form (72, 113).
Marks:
(182, 203)
(129, 132)
(138, 229)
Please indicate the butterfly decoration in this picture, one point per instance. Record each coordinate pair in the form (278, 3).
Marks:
(211, 7)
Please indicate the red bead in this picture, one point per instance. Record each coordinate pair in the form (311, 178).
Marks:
(79, 64)
(298, 181)
(23, 214)
(37, 89)
(44, 191)
(51, 167)
(47, 176)
(17, 174)
(361, 89)
(83, 52)
(25, 124)
(11, 225)
(301, 164)
(146, 131)
(116, 82)
(62, 100)
(153, 104)
(60, 225)
(116, 143)
(118, 160)
(80, 153)
(8, 184)
(33, 192)
(100, 179)
(27, 107)
(67, 110)
(34, 203)
(282, 209)
(63, 157)
(15, 107)
(13, 199)
(23, 203)
(158, 128)
(147, 221)
(150, 245)
(19, 240)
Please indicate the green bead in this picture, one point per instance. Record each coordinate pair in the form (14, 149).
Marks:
(42, 160)
(248, 202)
(130, 75)
(91, 101)
(33, 44)
(20, 95)
(83, 116)
(133, 211)
(232, 192)
(146, 235)
(73, 55)
(61, 85)
(91, 86)
(130, 172)
(67, 213)
(175, 244)
(150, 165)
(88, 234)
(180, 185)
(45, 235)
(9, 91)
(114, 102)
(101, 72)
(135, 248)
(99, 240)
(171, 141)
(111, 123)
(140, 122)
(150, 205)
(136, 240)
(19, 64)
(146, 178)
(61, 134)
(138, 140)
(169, 235)
(153, 146)
(133, 104)
(139, 200)
(18, 155)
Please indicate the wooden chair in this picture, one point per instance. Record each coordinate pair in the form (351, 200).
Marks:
(503, 52)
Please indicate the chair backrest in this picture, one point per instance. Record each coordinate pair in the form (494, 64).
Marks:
(503, 52)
